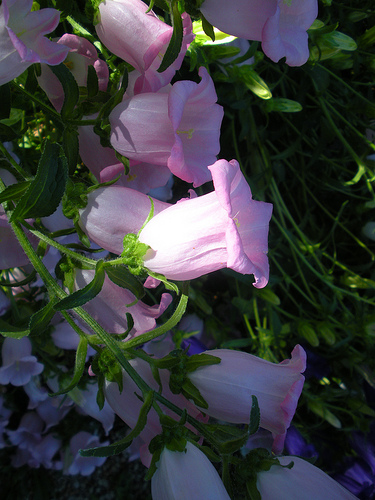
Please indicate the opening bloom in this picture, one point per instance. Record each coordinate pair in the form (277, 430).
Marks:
(22, 40)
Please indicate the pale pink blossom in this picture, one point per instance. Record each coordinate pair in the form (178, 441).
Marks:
(113, 212)
(186, 475)
(279, 24)
(22, 40)
(112, 303)
(179, 129)
(81, 55)
(141, 40)
(303, 481)
(225, 228)
(228, 386)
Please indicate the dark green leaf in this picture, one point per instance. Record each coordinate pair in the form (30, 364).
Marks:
(70, 146)
(45, 192)
(14, 191)
(229, 438)
(7, 330)
(175, 43)
(41, 319)
(70, 87)
(207, 28)
(92, 82)
(85, 294)
(254, 416)
(78, 369)
(121, 276)
(198, 360)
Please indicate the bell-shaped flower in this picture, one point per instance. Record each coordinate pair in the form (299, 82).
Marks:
(303, 481)
(112, 303)
(82, 54)
(228, 386)
(279, 24)
(114, 211)
(179, 129)
(225, 228)
(18, 363)
(104, 164)
(186, 475)
(140, 39)
(22, 40)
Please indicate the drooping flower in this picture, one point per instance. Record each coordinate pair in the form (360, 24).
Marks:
(279, 24)
(82, 54)
(140, 39)
(303, 481)
(22, 40)
(228, 386)
(225, 228)
(179, 129)
(186, 475)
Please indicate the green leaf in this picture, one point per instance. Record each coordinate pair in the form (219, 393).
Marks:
(70, 87)
(175, 43)
(197, 360)
(207, 27)
(254, 82)
(191, 392)
(14, 192)
(7, 330)
(71, 147)
(120, 446)
(323, 412)
(228, 438)
(45, 192)
(78, 368)
(307, 331)
(86, 293)
(92, 82)
(283, 105)
(121, 276)
(40, 320)
(254, 416)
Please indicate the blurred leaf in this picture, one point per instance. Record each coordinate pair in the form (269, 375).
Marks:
(307, 332)
(282, 105)
(319, 408)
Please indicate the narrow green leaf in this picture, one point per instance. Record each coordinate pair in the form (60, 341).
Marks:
(207, 27)
(71, 147)
(121, 276)
(41, 319)
(7, 330)
(175, 43)
(45, 192)
(120, 446)
(228, 438)
(191, 392)
(85, 294)
(70, 87)
(78, 368)
(197, 360)
(14, 191)
(92, 82)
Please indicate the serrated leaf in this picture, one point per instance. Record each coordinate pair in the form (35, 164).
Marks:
(121, 276)
(175, 43)
(45, 192)
(79, 367)
(120, 446)
(80, 297)
(70, 87)
(41, 319)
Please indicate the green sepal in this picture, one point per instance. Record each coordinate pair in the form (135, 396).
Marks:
(189, 390)
(7, 330)
(254, 416)
(111, 369)
(40, 320)
(133, 253)
(121, 276)
(207, 27)
(92, 82)
(71, 147)
(197, 360)
(175, 43)
(70, 87)
(74, 199)
(120, 446)
(86, 293)
(45, 192)
(79, 367)
(228, 438)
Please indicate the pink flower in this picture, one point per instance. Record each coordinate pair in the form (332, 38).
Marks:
(227, 387)
(113, 212)
(141, 40)
(186, 475)
(18, 363)
(225, 228)
(179, 129)
(22, 40)
(279, 24)
(110, 306)
(82, 54)
(104, 164)
(303, 481)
